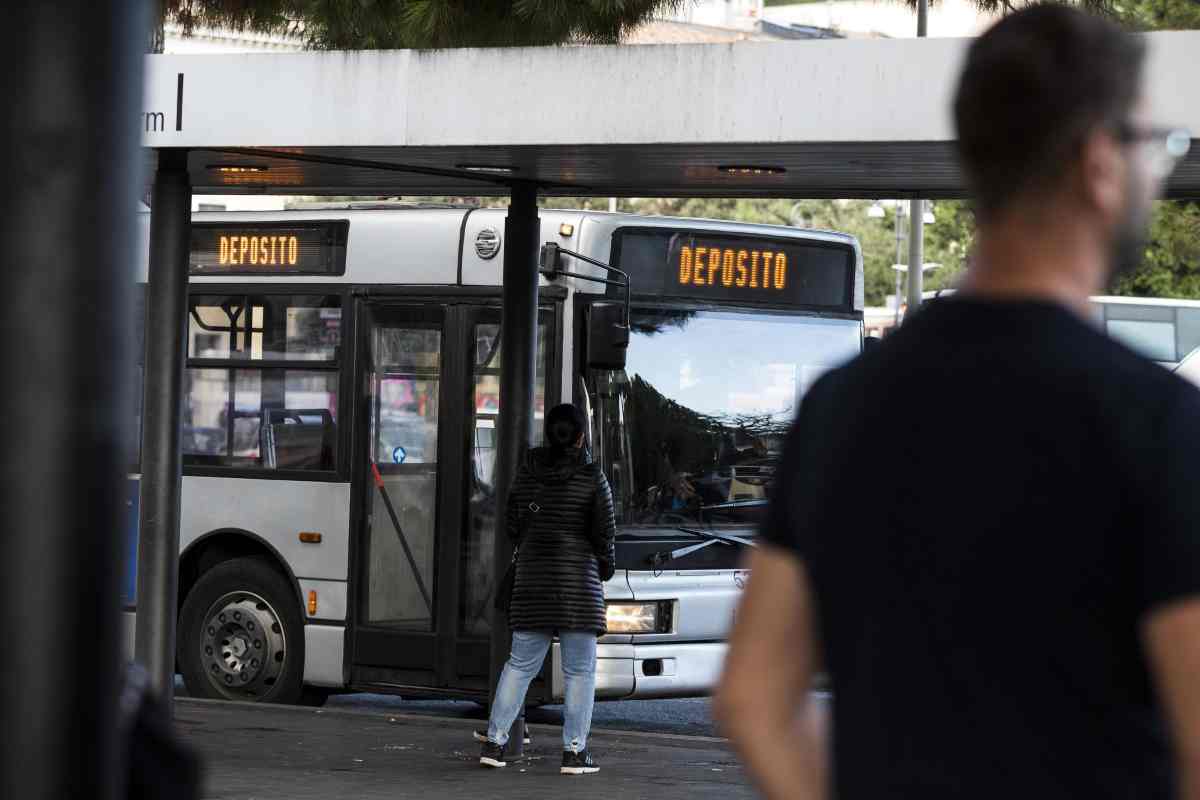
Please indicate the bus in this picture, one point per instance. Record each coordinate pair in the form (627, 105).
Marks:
(1162, 329)
(340, 405)
(1165, 330)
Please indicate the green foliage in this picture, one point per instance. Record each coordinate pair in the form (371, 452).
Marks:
(1106, 7)
(1171, 266)
(948, 242)
(387, 24)
(267, 16)
(1159, 15)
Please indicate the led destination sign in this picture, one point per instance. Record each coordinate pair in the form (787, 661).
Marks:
(269, 248)
(274, 251)
(735, 267)
(742, 267)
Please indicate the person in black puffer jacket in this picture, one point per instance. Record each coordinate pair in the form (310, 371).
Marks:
(560, 519)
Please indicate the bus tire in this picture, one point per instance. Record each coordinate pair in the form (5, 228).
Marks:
(241, 636)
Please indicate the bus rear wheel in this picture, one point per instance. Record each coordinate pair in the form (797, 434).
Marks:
(241, 636)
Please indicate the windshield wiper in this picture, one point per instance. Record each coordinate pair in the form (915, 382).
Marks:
(726, 538)
(664, 557)
(728, 504)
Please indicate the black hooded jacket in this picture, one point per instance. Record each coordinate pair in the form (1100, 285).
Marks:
(560, 517)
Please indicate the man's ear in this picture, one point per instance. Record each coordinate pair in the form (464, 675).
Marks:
(1101, 175)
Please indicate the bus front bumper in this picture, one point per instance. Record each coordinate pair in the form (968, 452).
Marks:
(644, 671)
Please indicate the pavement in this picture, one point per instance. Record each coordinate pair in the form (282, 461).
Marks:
(256, 752)
(692, 716)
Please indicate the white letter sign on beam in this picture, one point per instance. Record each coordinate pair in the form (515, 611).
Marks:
(304, 99)
(753, 92)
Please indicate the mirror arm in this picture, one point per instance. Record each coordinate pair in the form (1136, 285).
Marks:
(552, 252)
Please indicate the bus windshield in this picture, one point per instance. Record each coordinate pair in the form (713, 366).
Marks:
(691, 432)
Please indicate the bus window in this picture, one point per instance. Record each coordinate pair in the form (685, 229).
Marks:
(261, 388)
(693, 428)
(1154, 340)
(405, 380)
(407, 425)
(264, 328)
(478, 582)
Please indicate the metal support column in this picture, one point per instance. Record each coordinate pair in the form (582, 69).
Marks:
(518, 353)
(166, 326)
(68, 151)
(916, 207)
(897, 262)
(916, 253)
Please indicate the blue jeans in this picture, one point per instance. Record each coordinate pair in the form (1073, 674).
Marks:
(579, 670)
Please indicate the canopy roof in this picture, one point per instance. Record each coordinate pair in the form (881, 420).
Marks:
(838, 118)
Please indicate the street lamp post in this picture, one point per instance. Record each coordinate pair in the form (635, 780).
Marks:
(899, 255)
(915, 278)
(916, 250)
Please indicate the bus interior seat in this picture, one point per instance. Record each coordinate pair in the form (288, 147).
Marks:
(298, 439)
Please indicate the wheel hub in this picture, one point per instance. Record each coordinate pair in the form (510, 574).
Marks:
(242, 646)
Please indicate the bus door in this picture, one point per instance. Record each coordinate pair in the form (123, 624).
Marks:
(430, 396)
(477, 575)
(404, 352)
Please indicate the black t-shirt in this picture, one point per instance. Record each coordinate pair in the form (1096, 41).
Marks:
(988, 504)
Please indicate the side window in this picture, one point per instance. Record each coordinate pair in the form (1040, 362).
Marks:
(1155, 340)
(486, 371)
(477, 588)
(261, 388)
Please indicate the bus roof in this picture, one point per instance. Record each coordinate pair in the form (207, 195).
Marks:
(1145, 301)
(445, 246)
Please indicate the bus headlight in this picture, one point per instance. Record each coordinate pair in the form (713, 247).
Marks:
(639, 617)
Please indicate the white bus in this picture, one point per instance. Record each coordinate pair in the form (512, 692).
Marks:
(1162, 329)
(340, 354)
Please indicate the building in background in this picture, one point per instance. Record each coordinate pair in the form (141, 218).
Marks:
(849, 18)
(883, 18)
(744, 14)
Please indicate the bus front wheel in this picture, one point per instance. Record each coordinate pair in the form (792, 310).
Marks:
(241, 636)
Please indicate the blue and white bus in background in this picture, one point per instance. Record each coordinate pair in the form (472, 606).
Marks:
(342, 359)
(1165, 330)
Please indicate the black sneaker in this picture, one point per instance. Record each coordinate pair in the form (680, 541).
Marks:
(578, 763)
(481, 736)
(492, 755)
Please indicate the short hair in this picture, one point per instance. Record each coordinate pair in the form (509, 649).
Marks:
(1032, 88)
(564, 424)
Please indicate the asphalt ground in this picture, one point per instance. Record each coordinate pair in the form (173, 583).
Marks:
(259, 751)
(691, 717)
(688, 717)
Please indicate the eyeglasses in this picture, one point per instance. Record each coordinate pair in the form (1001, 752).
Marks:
(1165, 147)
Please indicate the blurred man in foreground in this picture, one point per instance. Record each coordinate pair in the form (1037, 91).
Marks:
(1015, 610)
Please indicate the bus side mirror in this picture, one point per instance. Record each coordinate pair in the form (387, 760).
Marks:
(550, 261)
(608, 336)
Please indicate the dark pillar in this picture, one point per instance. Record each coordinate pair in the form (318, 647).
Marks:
(162, 404)
(69, 154)
(518, 351)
